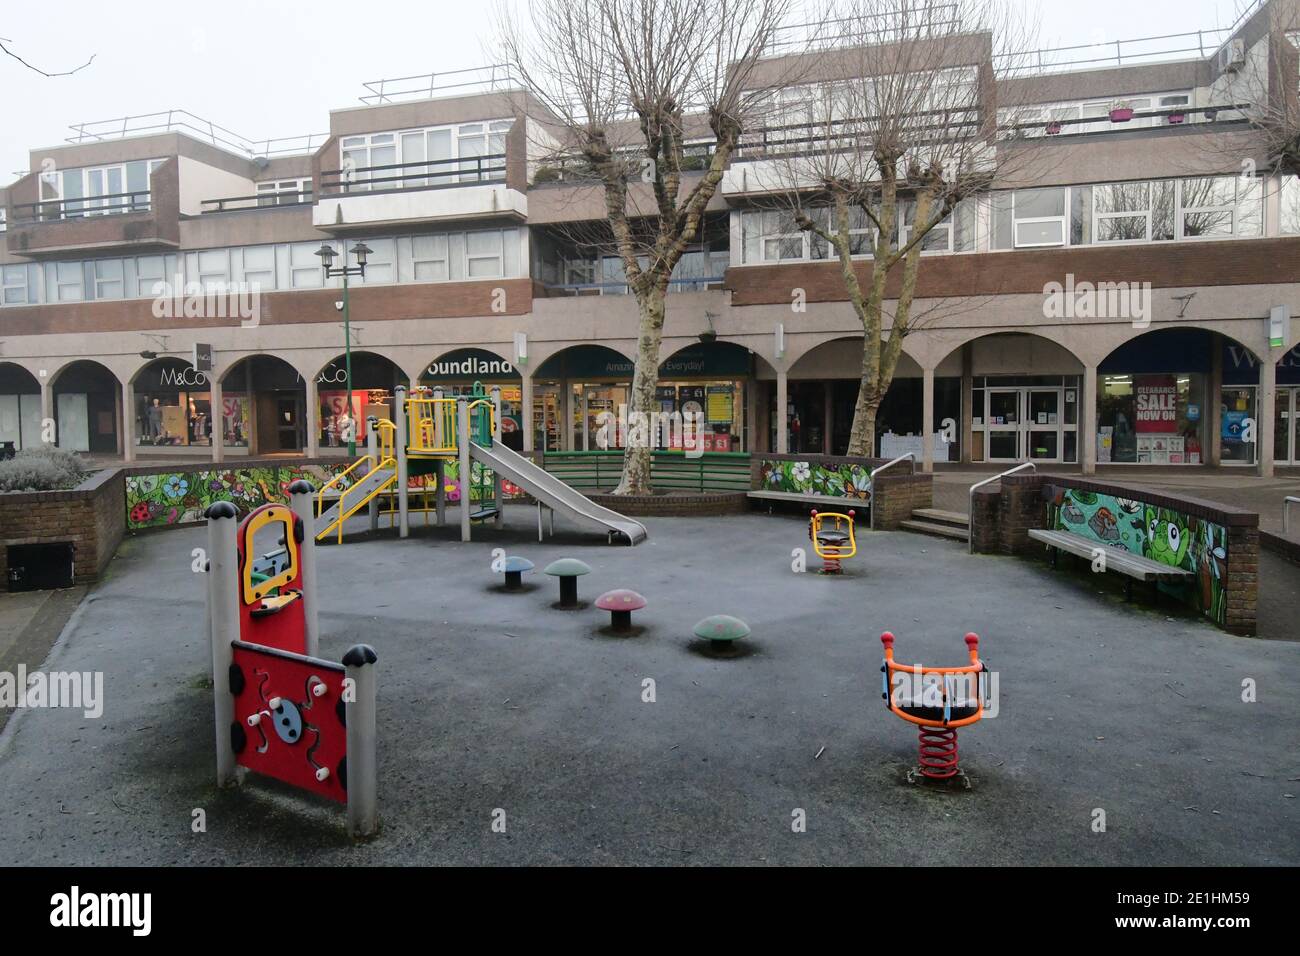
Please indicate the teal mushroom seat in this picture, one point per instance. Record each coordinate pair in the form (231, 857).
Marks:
(568, 570)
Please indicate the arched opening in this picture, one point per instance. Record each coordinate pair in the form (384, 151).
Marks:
(572, 388)
(20, 408)
(1286, 410)
(172, 406)
(716, 382)
(458, 371)
(87, 408)
(374, 377)
(1020, 399)
(264, 406)
(822, 396)
(1181, 396)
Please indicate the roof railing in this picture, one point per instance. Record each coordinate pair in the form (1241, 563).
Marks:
(494, 78)
(196, 127)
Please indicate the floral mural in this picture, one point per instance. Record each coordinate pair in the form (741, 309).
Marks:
(846, 480)
(173, 498)
(1161, 534)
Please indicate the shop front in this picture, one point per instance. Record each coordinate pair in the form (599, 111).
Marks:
(458, 372)
(263, 401)
(1025, 418)
(20, 408)
(373, 380)
(1154, 398)
(582, 395)
(173, 407)
(1286, 433)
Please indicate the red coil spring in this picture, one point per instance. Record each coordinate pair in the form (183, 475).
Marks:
(938, 752)
(830, 565)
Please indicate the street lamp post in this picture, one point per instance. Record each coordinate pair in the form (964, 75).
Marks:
(327, 255)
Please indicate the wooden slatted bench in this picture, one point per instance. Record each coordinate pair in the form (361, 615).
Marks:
(808, 498)
(1134, 566)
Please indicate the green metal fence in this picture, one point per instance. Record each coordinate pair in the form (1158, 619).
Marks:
(669, 470)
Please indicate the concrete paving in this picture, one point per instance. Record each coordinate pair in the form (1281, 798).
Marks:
(491, 701)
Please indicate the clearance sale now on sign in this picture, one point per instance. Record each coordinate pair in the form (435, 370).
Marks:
(1157, 403)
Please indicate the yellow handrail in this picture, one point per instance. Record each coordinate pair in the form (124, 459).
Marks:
(320, 495)
(432, 424)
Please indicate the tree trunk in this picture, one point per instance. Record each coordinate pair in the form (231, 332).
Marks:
(862, 439)
(639, 440)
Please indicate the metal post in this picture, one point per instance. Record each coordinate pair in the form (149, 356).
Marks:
(347, 353)
(440, 495)
(498, 489)
(223, 626)
(372, 449)
(301, 494)
(439, 433)
(400, 420)
(362, 775)
(218, 403)
(462, 445)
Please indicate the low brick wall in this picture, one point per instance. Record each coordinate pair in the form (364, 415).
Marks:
(89, 516)
(895, 497)
(1226, 539)
(675, 505)
(1282, 547)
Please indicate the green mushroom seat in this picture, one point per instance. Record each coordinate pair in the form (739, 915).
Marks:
(722, 630)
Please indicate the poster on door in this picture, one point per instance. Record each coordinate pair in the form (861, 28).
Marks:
(1157, 404)
(334, 416)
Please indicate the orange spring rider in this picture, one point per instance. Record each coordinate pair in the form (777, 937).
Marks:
(937, 706)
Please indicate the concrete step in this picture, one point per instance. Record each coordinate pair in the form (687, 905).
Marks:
(939, 516)
(936, 530)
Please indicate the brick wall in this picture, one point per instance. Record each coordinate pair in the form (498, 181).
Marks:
(895, 497)
(90, 516)
(1020, 507)
(985, 506)
(1242, 584)
(679, 506)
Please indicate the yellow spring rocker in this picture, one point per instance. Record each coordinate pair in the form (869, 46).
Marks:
(832, 538)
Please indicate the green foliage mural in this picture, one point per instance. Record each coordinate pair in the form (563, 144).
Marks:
(845, 480)
(181, 497)
(1161, 534)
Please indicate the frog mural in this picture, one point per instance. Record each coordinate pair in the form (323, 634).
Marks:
(1161, 534)
(1167, 538)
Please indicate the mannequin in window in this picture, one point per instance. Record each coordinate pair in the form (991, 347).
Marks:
(153, 420)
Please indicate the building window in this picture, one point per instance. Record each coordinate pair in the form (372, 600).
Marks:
(1038, 217)
(1132, 212)
(150, 276)
(1217, 207)
(213, 269)
(259, 266)
(305, 270)
(286, 192)
(484, 255)
(381, 268)
(772, 236)
(64, 282)
(429, 258)
(109, 282)
(13, 285)
(1289, 218)
(424, 157)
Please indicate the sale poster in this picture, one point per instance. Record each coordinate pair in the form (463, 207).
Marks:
(1157, 404)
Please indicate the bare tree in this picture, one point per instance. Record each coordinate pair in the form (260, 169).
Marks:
(906, 119)
(5, 49)
(1269, 81)
(622, 80)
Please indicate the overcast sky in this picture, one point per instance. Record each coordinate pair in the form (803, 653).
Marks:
(267, 68)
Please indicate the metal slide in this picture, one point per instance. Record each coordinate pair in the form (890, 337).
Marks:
(356, 497)
(555, 494)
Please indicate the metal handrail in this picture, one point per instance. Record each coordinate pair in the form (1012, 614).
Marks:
(1287, 502)
(970, 508)
(889, 464)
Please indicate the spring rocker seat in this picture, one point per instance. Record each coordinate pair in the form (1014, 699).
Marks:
(833, 538)
(937, 700)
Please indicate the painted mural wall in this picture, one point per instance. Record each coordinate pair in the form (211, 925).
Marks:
(1161, 534)
(841, 480)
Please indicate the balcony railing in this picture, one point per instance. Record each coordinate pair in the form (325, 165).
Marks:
(424, 174)
(55, 210)
(698, 284)
(1170, 115)
(493, 78)
(301, 197)
(196, 127)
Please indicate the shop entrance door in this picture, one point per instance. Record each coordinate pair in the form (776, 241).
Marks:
(1286, 432)
(1024, 424)
(288, 422)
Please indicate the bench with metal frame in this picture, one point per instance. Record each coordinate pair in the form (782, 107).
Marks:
(1134, 566)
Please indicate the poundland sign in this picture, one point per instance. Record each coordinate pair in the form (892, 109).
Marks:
(471, 365)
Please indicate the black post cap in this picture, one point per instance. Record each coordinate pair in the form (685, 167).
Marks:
(301, 487)
(359, 655)
(221, 509)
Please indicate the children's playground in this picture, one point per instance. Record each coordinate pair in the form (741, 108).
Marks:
(519, 686)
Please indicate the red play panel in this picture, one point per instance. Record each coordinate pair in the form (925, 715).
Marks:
(303, 737)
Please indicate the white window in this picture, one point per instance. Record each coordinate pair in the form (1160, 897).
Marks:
(259, 267)
(13, 290)
(150, 277)
(285, 192)
(1217, 207)
(361, 154)
(479, 140)
(381, 265)
(1038, 217)
(429, 258)
(422, 158)
(772, 236)
(66, 279)
(108, 279)
(101, 190)
(484, 255)
(213, 269)
(1289, 220)
(305, 270)
(3, 213)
